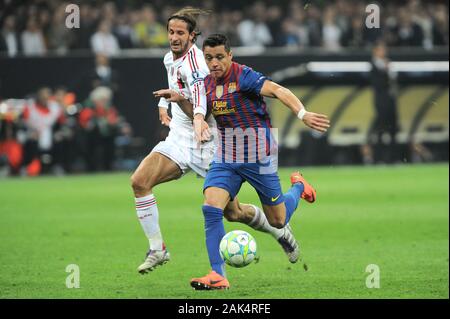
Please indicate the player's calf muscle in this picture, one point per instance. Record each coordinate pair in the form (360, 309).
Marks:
(232, 214)
(276, 215)
(276, 221)
(242, 213)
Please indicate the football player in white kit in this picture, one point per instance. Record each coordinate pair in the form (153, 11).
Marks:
(181, 152)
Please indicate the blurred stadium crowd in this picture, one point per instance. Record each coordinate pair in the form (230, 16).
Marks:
(36, 27)
(55, 131)
(49, 133)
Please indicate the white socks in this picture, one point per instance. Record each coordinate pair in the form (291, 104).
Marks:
(147, 212)
(259, 222)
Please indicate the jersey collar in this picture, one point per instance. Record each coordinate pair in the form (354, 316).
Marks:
(227, 76)
(184, 55)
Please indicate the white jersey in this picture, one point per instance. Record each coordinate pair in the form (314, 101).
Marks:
(185, 75)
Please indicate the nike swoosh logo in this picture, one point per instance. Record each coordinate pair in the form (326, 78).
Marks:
(275, 198)
(213, 282)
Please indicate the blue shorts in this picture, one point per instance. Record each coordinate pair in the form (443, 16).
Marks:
(230, 176)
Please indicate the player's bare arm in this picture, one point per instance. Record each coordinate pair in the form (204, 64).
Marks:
(313, 120)
(172, 96)
(201, 127)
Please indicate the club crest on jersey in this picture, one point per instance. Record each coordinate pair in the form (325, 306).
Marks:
(196, 77)
(195, 74)
(219, 91)
(232, 87)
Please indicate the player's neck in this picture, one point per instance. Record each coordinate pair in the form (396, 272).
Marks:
(177, 56)
(226, 74)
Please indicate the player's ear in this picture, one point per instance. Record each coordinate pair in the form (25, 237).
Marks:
(230, 54)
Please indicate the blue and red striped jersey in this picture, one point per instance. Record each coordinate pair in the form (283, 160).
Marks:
(241, 114)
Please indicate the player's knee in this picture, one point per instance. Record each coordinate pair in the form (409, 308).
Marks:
(139, 184)
(276, 221)
(211, 202)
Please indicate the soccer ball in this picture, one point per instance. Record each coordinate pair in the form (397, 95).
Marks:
(238, 248)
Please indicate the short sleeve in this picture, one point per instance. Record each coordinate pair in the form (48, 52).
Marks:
(251, 81)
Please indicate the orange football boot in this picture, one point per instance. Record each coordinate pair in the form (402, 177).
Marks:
(211, 281)
(309, 193)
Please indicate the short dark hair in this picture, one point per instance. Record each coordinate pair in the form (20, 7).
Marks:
(215, 40)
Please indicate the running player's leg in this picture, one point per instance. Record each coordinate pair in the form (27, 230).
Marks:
(279, 215)
(279, 209)
(215, 201)
(254, 217)
(250, 215)
(267, 185)
(153, 170)
(222, 184)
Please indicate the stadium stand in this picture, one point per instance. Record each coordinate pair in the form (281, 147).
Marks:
(433, 126)
(353, 125)
(328, 72)
(409, 102)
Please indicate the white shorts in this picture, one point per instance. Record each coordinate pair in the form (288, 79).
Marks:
(183, 152)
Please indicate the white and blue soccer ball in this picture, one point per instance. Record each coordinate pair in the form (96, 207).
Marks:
(238, 248)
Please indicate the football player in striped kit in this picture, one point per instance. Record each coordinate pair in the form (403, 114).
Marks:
(181, 151)
(247, 151)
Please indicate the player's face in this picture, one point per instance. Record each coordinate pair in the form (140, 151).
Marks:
(43, 96)
(179, 38)
(218, 60)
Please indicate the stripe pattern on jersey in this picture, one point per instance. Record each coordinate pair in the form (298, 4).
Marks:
(192, 58)
(250, 112)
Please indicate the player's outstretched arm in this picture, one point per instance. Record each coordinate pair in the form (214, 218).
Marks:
(172, 96)
(201, 127)
(315, 121)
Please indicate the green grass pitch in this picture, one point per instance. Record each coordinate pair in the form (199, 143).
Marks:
(395, 217)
